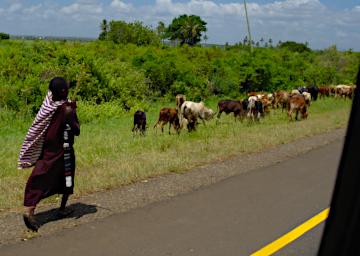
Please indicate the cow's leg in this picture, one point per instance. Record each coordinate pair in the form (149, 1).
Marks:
(218, 117)
(219, 114)
(193, 125)
(290, 114)
(242, 115)
(296, 114)
(143, 128)
(237, 115)
(177, 129)
(258, 116)
(162, 126)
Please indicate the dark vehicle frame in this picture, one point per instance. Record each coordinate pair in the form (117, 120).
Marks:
(342, 228)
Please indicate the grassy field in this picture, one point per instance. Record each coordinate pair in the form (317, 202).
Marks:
(108, 155)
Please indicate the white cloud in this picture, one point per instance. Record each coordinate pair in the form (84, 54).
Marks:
(121, 6)
(83, 7)
(299, 20)
(15, 7)
(205, 8)
(32, 9)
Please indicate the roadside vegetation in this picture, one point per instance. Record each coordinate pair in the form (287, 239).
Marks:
(134, 77)
(108, 155)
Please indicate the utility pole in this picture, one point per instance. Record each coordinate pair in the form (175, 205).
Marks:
(248, 26)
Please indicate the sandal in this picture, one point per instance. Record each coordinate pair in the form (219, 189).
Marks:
(30, 222)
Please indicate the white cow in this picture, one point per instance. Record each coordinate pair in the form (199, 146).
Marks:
(254, 108)
(307, 97)
(191, 111)
(295, 92)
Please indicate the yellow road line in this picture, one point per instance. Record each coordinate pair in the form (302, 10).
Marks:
(292, 235)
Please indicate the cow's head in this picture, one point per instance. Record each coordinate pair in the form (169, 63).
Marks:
(208, 114)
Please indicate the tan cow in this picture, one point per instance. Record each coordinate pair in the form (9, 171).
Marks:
(344, 91)
(282, 99)
(297, 103)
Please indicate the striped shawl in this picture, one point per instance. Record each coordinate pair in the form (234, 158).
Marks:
(32, 146)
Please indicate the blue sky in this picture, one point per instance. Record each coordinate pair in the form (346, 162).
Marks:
(321, 23)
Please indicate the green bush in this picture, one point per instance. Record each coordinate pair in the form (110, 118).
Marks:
(4, 36)
(132, 76)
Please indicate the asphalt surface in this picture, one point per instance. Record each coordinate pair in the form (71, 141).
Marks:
(236, 216)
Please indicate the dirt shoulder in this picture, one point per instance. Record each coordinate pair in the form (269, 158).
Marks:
(102, 204)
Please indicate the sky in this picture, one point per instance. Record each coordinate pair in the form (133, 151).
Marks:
(321, 23)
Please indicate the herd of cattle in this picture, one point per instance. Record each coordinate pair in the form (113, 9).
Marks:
(256, 106)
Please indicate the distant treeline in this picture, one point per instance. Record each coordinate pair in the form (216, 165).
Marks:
(52, 38)
(129, 75)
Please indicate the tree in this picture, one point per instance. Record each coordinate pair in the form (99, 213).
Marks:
(294, 46)
(4, 36)
(245, 40)
(186, 29)
(262, 40)
(135, 33)
(205, 37)
(161, 29)
(270, 42)
(104, 29)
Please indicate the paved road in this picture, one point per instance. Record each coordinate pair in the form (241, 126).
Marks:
(234, 217)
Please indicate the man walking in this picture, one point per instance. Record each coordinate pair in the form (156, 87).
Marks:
(48, 146)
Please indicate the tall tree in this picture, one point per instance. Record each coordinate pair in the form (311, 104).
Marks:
(161, 29)
(245, 40)
(262, 40)
(205, 37)
(104, 27)
(186, 29)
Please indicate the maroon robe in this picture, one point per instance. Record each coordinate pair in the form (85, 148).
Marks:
(48, 175)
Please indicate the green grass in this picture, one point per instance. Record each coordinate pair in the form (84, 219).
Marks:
(108, 155)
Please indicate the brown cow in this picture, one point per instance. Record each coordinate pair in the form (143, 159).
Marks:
(282, 99)
(324, 91)
(266, 103)
(297, 103)
(231, 106)
(168, 115)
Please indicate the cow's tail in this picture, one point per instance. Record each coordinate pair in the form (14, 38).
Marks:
(157, 123)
